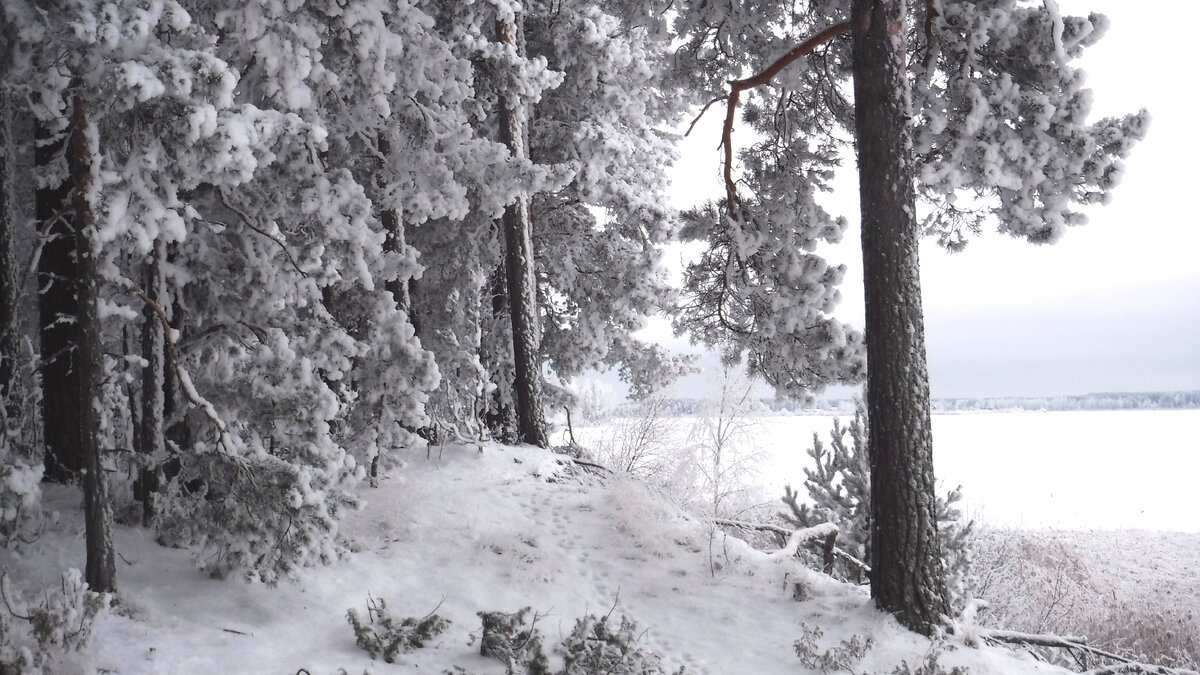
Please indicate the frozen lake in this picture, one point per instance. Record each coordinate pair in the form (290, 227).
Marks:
(1129, 469)
(1078, 470)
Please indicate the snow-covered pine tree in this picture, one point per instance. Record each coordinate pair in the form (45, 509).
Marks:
(599, 237)
(987, 108)
(838, 485)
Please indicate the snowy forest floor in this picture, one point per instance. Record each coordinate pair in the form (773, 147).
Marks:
(497, 528)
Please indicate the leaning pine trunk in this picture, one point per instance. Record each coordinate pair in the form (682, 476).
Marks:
(522, 289)
(906, 568)
(101, 569)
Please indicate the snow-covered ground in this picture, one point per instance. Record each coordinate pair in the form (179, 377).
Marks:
(474, 530)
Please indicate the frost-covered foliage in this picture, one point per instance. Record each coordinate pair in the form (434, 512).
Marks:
(842, 656)
(233, 134)
(519, 646)
(595, 647)
(1001, 137)
(383, 636)
(759, 292)
(41, 636)
(1070, 584)
(1004, 121)
(838, 487)
(599, 236)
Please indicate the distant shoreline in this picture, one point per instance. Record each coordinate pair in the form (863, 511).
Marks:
(1174, 400)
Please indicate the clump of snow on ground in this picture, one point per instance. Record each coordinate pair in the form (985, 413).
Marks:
(491, 529)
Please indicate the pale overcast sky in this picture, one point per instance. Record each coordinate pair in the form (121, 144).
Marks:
(1115, 305)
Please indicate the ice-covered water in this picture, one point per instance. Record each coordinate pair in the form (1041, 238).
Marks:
(1134, 469)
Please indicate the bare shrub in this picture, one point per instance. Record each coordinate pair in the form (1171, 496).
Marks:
(1037, 582)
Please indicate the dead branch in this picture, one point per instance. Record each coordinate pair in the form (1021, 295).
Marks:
(736, 87)
(702, 111)
(811, 533)
(591, 465)
(247, 222)
(1073, 643)
(1139, 669)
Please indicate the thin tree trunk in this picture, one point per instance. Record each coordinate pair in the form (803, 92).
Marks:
(906, 569)
(101, 569)
(58, 312)
(8, 266)
(152, 437)
(394, 240)
(519, 263)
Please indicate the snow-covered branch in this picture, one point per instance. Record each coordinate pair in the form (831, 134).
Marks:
(736, 87)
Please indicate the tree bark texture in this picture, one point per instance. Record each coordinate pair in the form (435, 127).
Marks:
(8, 263)
(500, 415)
(906, 570)
(152, 439)
(58, 312)
(101, 568)
(522, 288)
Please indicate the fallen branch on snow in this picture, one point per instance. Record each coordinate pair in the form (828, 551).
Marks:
(1125, 666)
(787, 534)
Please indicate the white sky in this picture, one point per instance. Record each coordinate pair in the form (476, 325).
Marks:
(1115, 305)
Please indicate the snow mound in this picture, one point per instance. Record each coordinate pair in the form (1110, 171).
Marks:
(489, 528)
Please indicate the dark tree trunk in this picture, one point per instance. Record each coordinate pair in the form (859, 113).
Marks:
(101, 570)
(152, 439)
(58, 312)
(8, 263)
(906, 569)
(519, 264)
(500, 416)
(394, 241)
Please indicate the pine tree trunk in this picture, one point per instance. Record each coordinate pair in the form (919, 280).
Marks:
(393, 240)
(58, 311)
(500, 416)
(8, 263)
(101, 568)
(522, 288)
(152, 440)
(906, 570)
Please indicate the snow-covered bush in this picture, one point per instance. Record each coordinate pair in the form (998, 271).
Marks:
(43, 636)
(507, 637)
(843, 656)
(382, 635)
(839, 488)
(594, 647)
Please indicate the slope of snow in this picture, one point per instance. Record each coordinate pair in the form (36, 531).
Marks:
(484, 528)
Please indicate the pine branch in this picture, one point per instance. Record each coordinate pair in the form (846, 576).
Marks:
(736, 87)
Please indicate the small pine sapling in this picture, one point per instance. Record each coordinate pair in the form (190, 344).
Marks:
(845, 656)
(60, 624)
(930, 666)
(382, 635)
(839, 488)
(507, 638)
(594, 647)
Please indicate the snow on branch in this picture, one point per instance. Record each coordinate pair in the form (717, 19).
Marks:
(1133, 668)
(796, 537)
(736, 87)
(1124, 667)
